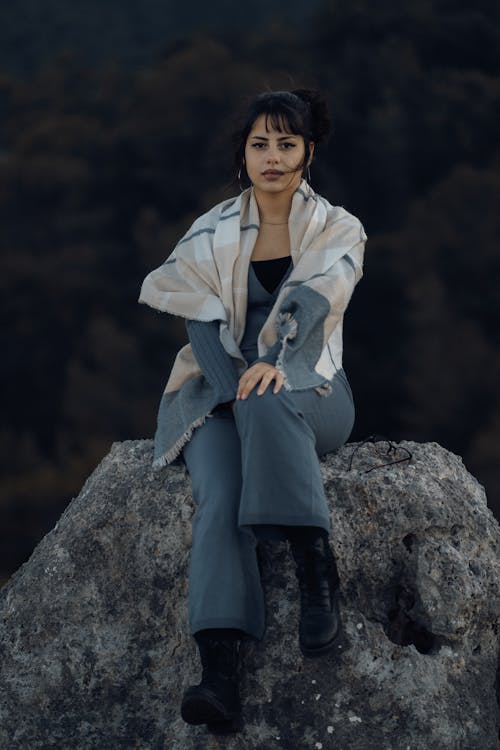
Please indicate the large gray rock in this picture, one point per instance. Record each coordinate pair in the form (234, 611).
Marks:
(94, 641)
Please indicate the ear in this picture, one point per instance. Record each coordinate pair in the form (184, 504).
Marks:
(311, 153)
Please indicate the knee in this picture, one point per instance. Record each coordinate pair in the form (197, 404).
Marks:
(219, 513)
(262, 407)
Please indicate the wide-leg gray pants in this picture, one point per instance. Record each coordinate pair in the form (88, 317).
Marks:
(251, 470)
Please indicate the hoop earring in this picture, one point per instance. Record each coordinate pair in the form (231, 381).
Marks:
(309, 175)
(243, 164)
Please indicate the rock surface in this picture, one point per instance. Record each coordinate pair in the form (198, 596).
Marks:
(94, 645)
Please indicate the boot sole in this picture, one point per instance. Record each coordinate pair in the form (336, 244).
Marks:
(231, 726)
(320, 650)
(202, 707)
(326, 647)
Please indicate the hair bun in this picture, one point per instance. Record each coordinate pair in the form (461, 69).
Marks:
(320, 118)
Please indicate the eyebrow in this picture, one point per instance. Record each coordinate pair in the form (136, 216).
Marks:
(281, 138)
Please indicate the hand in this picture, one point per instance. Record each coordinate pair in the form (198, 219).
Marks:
(262, 373)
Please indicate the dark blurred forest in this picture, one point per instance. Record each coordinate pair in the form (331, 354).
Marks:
(104, 164)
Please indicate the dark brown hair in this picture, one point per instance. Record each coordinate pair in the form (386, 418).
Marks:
(299, 112)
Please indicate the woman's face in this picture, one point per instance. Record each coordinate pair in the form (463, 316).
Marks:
(274, 159)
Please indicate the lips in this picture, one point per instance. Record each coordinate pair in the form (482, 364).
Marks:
(273, 172)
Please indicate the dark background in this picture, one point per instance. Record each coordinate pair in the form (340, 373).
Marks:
(115, 120)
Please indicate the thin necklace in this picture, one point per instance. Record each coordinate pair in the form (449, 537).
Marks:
(275, 223)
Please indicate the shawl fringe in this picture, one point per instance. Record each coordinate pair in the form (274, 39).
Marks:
(175, 450)
(324, 390)
(285, 322)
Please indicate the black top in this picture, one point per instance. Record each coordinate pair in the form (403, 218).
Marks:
(270, 272)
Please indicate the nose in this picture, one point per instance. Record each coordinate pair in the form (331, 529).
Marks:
(273, 155)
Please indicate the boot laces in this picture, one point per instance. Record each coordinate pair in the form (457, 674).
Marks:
(316, 574)
(314, 584)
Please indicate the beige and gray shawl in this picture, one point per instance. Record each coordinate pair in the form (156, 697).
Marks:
(205, 278)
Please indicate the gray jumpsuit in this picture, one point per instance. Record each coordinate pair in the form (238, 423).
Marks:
(254, 472)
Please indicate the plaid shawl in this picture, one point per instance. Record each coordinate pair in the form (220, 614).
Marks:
(205, 278)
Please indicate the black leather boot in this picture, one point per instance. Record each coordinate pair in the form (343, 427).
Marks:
(216, 700)
(319, 590)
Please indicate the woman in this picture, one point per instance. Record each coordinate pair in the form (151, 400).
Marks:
(259, 393)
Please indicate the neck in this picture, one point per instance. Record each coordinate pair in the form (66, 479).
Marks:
(274, 208)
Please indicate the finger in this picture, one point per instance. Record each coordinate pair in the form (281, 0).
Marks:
(250, 382)
(280, 380)
(248, 387)
(252, 376)
(245, 386)
(266, 379)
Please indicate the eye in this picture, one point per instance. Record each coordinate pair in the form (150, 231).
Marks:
(287, 145)
(258, 145)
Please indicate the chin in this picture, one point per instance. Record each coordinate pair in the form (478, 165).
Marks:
(279, 186)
